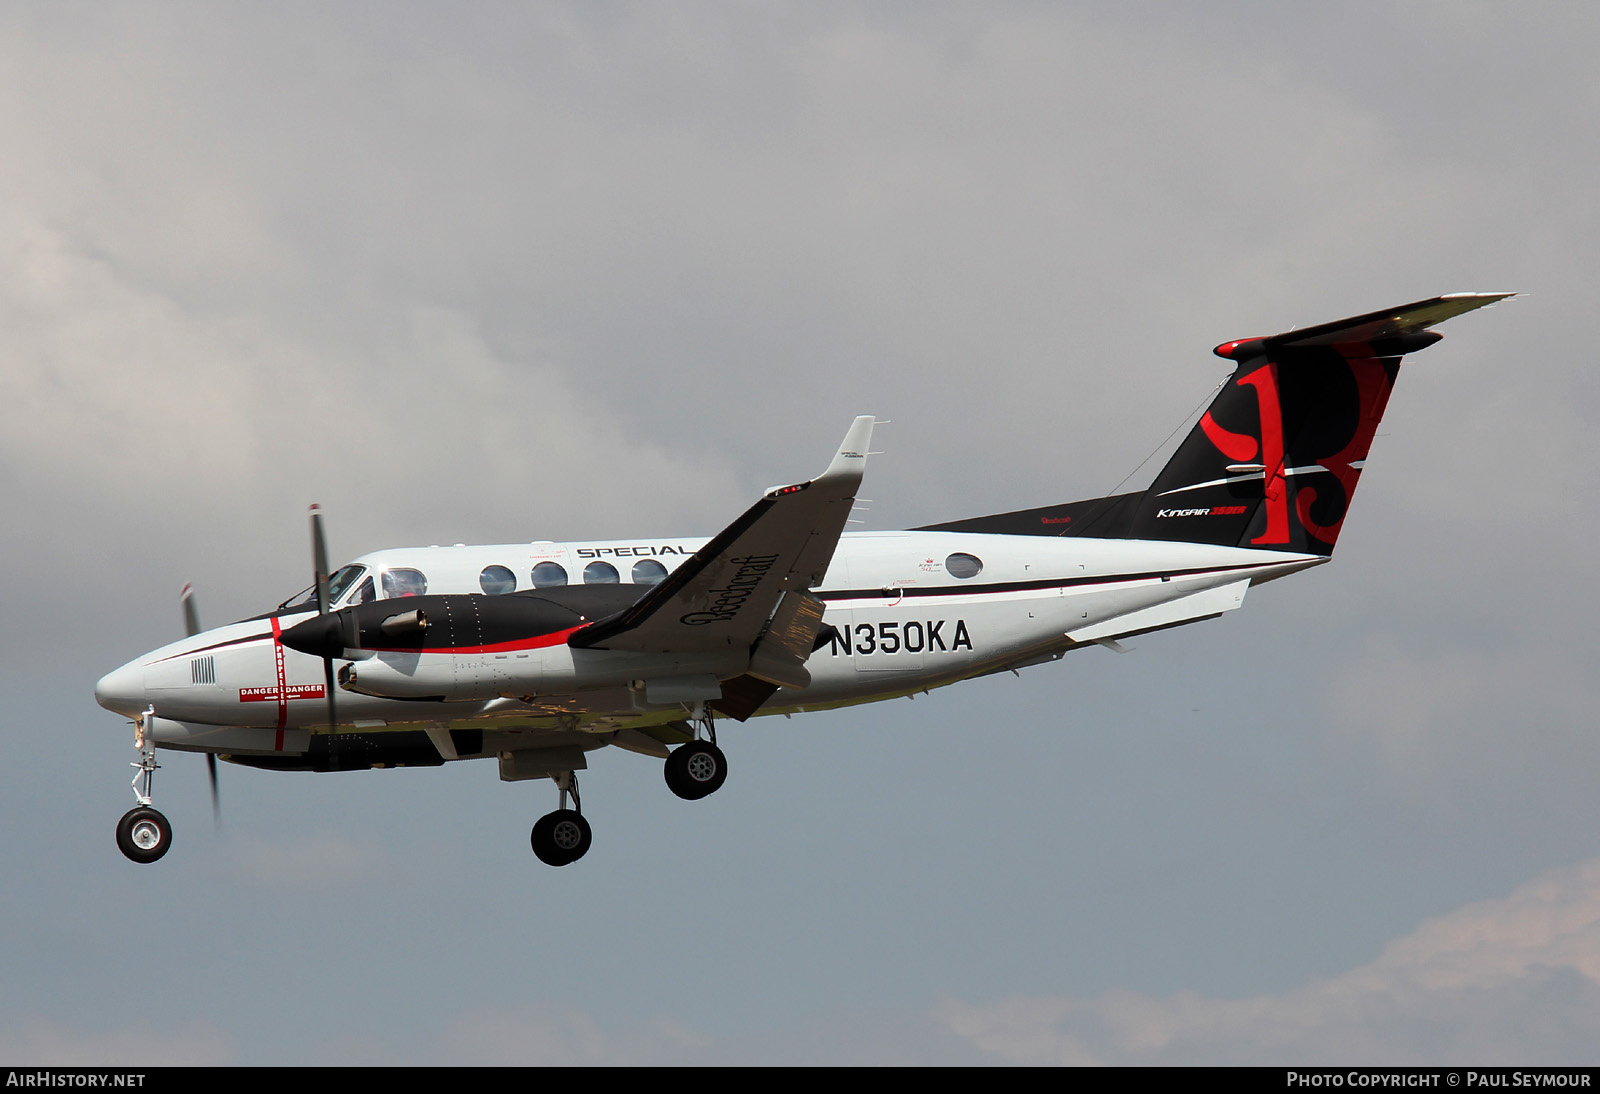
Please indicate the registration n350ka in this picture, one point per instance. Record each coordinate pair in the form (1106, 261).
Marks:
(536, 655)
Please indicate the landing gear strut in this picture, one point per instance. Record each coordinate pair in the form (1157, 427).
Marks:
(563, 836)
(143, 834)
(698, 768)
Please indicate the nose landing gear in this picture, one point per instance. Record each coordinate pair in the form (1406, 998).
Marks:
(143, 834)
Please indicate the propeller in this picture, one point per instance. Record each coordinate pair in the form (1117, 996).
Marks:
(191, 617)
(191, 627)
(319, 561)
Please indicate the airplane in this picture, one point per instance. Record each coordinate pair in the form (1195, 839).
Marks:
(537, 654)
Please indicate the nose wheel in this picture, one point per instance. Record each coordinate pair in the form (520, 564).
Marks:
(563, 836)
(144, 834)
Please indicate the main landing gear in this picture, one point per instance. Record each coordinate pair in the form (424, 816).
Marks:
(563, 836)
(697, 769)
(143, 834)
(693, 771)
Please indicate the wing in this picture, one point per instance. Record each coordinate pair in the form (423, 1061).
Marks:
(724, 594)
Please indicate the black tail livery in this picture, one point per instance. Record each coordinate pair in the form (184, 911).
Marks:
(1273, 462)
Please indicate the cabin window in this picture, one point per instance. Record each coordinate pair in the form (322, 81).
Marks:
(366, 594)
(600, 573)
(546, 574)
(963, 565)
(397, 583)
(497, 581)
(647, 571)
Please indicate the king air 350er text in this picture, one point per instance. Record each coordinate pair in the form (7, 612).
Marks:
(535, 655)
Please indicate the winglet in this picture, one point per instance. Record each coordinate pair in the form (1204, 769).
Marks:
(851, 459)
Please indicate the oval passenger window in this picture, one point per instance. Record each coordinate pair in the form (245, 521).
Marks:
(546, 574)
(497, 581)
(647, 571)
(963, 565)
(600, 573)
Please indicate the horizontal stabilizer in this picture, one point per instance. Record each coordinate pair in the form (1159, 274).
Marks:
(1377, 326)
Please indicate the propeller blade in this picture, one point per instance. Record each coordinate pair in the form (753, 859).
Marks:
(327, 676)
(216, 801)
(191, 627)
(191, 617)
(319, 558)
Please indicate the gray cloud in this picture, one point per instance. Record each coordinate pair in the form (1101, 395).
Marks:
(1501, 982)
(49, 1044)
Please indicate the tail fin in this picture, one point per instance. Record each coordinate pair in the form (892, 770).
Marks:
(1274, 461)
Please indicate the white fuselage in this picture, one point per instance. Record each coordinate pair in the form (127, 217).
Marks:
(902, 621)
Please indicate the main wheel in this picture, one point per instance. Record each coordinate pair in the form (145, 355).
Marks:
(144, 834)
(561, 837)
(695, 770)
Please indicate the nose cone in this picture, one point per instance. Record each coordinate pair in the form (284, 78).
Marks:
(122, 691)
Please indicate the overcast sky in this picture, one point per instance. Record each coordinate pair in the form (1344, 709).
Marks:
(496, 272)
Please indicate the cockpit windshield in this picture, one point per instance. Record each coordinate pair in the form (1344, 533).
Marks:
(341, 581)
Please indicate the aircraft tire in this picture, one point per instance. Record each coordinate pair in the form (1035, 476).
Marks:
(695, 770)
(143, 834)
(561, 837)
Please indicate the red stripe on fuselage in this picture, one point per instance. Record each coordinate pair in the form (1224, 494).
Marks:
(539, 642)
(283, 680)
